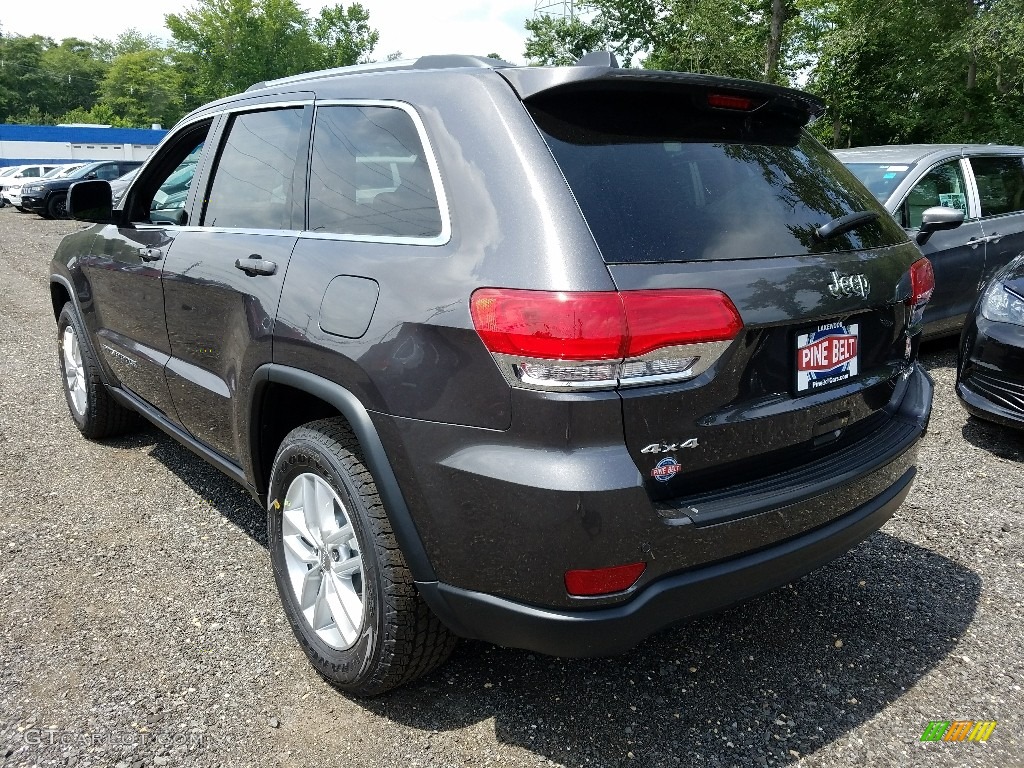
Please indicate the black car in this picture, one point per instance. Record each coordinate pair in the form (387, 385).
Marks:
(49, 198)
(547, 357)
(990, 371)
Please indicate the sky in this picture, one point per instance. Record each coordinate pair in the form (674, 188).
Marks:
(413, 27)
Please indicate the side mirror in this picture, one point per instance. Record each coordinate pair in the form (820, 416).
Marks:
(936, 219)
(91, 201)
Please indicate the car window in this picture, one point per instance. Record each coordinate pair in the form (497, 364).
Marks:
(659, 184)
(1000, 184)
(107, 172)
(30, 173)
(252, 183)
(942, 185)
(369, 175)
(881, 179)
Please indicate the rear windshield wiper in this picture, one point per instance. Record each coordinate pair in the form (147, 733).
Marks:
(844, 224)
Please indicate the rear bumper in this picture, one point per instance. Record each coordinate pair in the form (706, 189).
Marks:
(825, 519)
(608, 631)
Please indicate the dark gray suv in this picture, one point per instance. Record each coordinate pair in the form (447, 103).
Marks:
(547, 357)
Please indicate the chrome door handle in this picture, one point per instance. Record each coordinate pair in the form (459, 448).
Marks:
(150, 254)
(256, 265)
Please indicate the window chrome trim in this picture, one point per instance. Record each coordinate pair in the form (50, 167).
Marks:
(428, 150)
(445, 235)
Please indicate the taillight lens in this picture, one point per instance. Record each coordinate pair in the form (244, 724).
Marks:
(922, 282)
(550, 325)
(600, 339)
(603, 581)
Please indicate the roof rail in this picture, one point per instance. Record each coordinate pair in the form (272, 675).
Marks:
(598, 59)
(443, 61)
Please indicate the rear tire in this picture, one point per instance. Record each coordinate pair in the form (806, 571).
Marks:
(57, 207)
(94, 411)
(344, 583)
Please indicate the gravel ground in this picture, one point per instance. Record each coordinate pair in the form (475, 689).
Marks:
(140, 624)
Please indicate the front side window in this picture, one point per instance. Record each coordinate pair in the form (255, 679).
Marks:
(942, 185)
(1000, 184)
(252, 183)
(369, 175)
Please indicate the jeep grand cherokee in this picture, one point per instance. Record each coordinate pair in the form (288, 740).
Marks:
(547, 357)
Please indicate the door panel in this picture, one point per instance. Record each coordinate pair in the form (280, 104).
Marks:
(223, 279)
(123, 271)
(958, 255)
(219, 323)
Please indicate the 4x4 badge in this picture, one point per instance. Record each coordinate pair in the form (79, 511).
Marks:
(849, 285)
(669, 447)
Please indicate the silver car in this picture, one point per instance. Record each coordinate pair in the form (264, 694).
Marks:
(984, 182)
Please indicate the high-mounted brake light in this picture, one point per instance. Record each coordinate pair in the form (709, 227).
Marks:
(603, 581)
(922, 282)
(601, 339)
(729, 101)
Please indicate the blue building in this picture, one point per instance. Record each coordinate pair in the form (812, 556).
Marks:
(24, 144)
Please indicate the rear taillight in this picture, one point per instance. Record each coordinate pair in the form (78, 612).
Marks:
(922, 283)
(602, 339)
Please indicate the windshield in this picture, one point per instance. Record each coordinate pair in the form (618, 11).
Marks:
(662, 180)
(881, 179)
(53, 172)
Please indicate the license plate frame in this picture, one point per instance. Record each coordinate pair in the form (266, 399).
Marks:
(825, 356)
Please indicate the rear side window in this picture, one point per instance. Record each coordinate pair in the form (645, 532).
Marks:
(1000, 184)
(369, 175)
(252, 184)
(664, 180)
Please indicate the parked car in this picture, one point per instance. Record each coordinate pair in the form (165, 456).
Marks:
(625, 347)
(990, 370)
(59, 172)
(4, 173)
(120, 185)
(49, 198)
(984, 182)
(24, 172)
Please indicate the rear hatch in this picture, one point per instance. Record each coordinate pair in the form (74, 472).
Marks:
(700, 183)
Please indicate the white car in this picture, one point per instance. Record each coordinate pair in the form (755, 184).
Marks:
(17, 179)
(6, 173)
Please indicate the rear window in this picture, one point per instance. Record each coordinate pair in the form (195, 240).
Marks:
(665, 180)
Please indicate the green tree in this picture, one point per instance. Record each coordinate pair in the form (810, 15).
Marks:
(343, 36)
(142, 88)
(559, 41)
(74, 69)
(224, 46)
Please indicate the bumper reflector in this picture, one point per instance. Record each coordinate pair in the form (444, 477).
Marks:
(603, 581)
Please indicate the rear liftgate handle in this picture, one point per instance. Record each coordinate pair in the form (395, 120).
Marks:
(256, 265)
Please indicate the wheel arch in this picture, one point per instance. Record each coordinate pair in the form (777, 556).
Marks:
(312, 397)
(60, 294)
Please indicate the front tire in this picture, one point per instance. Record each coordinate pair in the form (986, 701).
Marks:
(344, 583)
(94, 411)
(57, 207)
